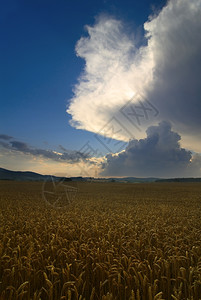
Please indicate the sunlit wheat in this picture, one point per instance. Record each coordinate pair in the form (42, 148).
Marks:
(115, 241)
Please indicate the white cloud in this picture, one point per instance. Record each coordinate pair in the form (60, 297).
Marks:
(167, 71)
(115, 70)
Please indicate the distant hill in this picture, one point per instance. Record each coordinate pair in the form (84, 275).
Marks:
(191, 179)
(133, 179)
(32, 176)
(23, 176)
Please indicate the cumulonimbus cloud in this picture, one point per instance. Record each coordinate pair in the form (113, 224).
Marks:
(158, 155)
(166, 71)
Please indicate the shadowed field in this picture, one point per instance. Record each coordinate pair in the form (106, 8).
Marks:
(114, 241)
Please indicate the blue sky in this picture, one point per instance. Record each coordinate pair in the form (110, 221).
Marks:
(40, 68)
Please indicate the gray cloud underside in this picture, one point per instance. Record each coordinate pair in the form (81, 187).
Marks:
(158, 155)
(65, 156)
(174, 37)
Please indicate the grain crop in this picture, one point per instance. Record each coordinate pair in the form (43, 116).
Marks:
(114, 241)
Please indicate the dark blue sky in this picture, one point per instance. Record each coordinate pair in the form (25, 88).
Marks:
(39, 66)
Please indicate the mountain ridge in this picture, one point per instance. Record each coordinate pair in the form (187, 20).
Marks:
(33, 176)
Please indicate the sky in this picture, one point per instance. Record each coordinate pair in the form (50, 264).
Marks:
(101, 88)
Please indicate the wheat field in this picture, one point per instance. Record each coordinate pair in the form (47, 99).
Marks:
(114, 241)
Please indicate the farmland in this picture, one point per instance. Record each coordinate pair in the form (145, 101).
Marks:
(114, 241)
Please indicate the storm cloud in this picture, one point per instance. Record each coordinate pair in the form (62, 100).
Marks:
(158, 155)
(166, 71)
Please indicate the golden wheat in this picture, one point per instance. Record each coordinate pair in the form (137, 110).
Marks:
(115, 241)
